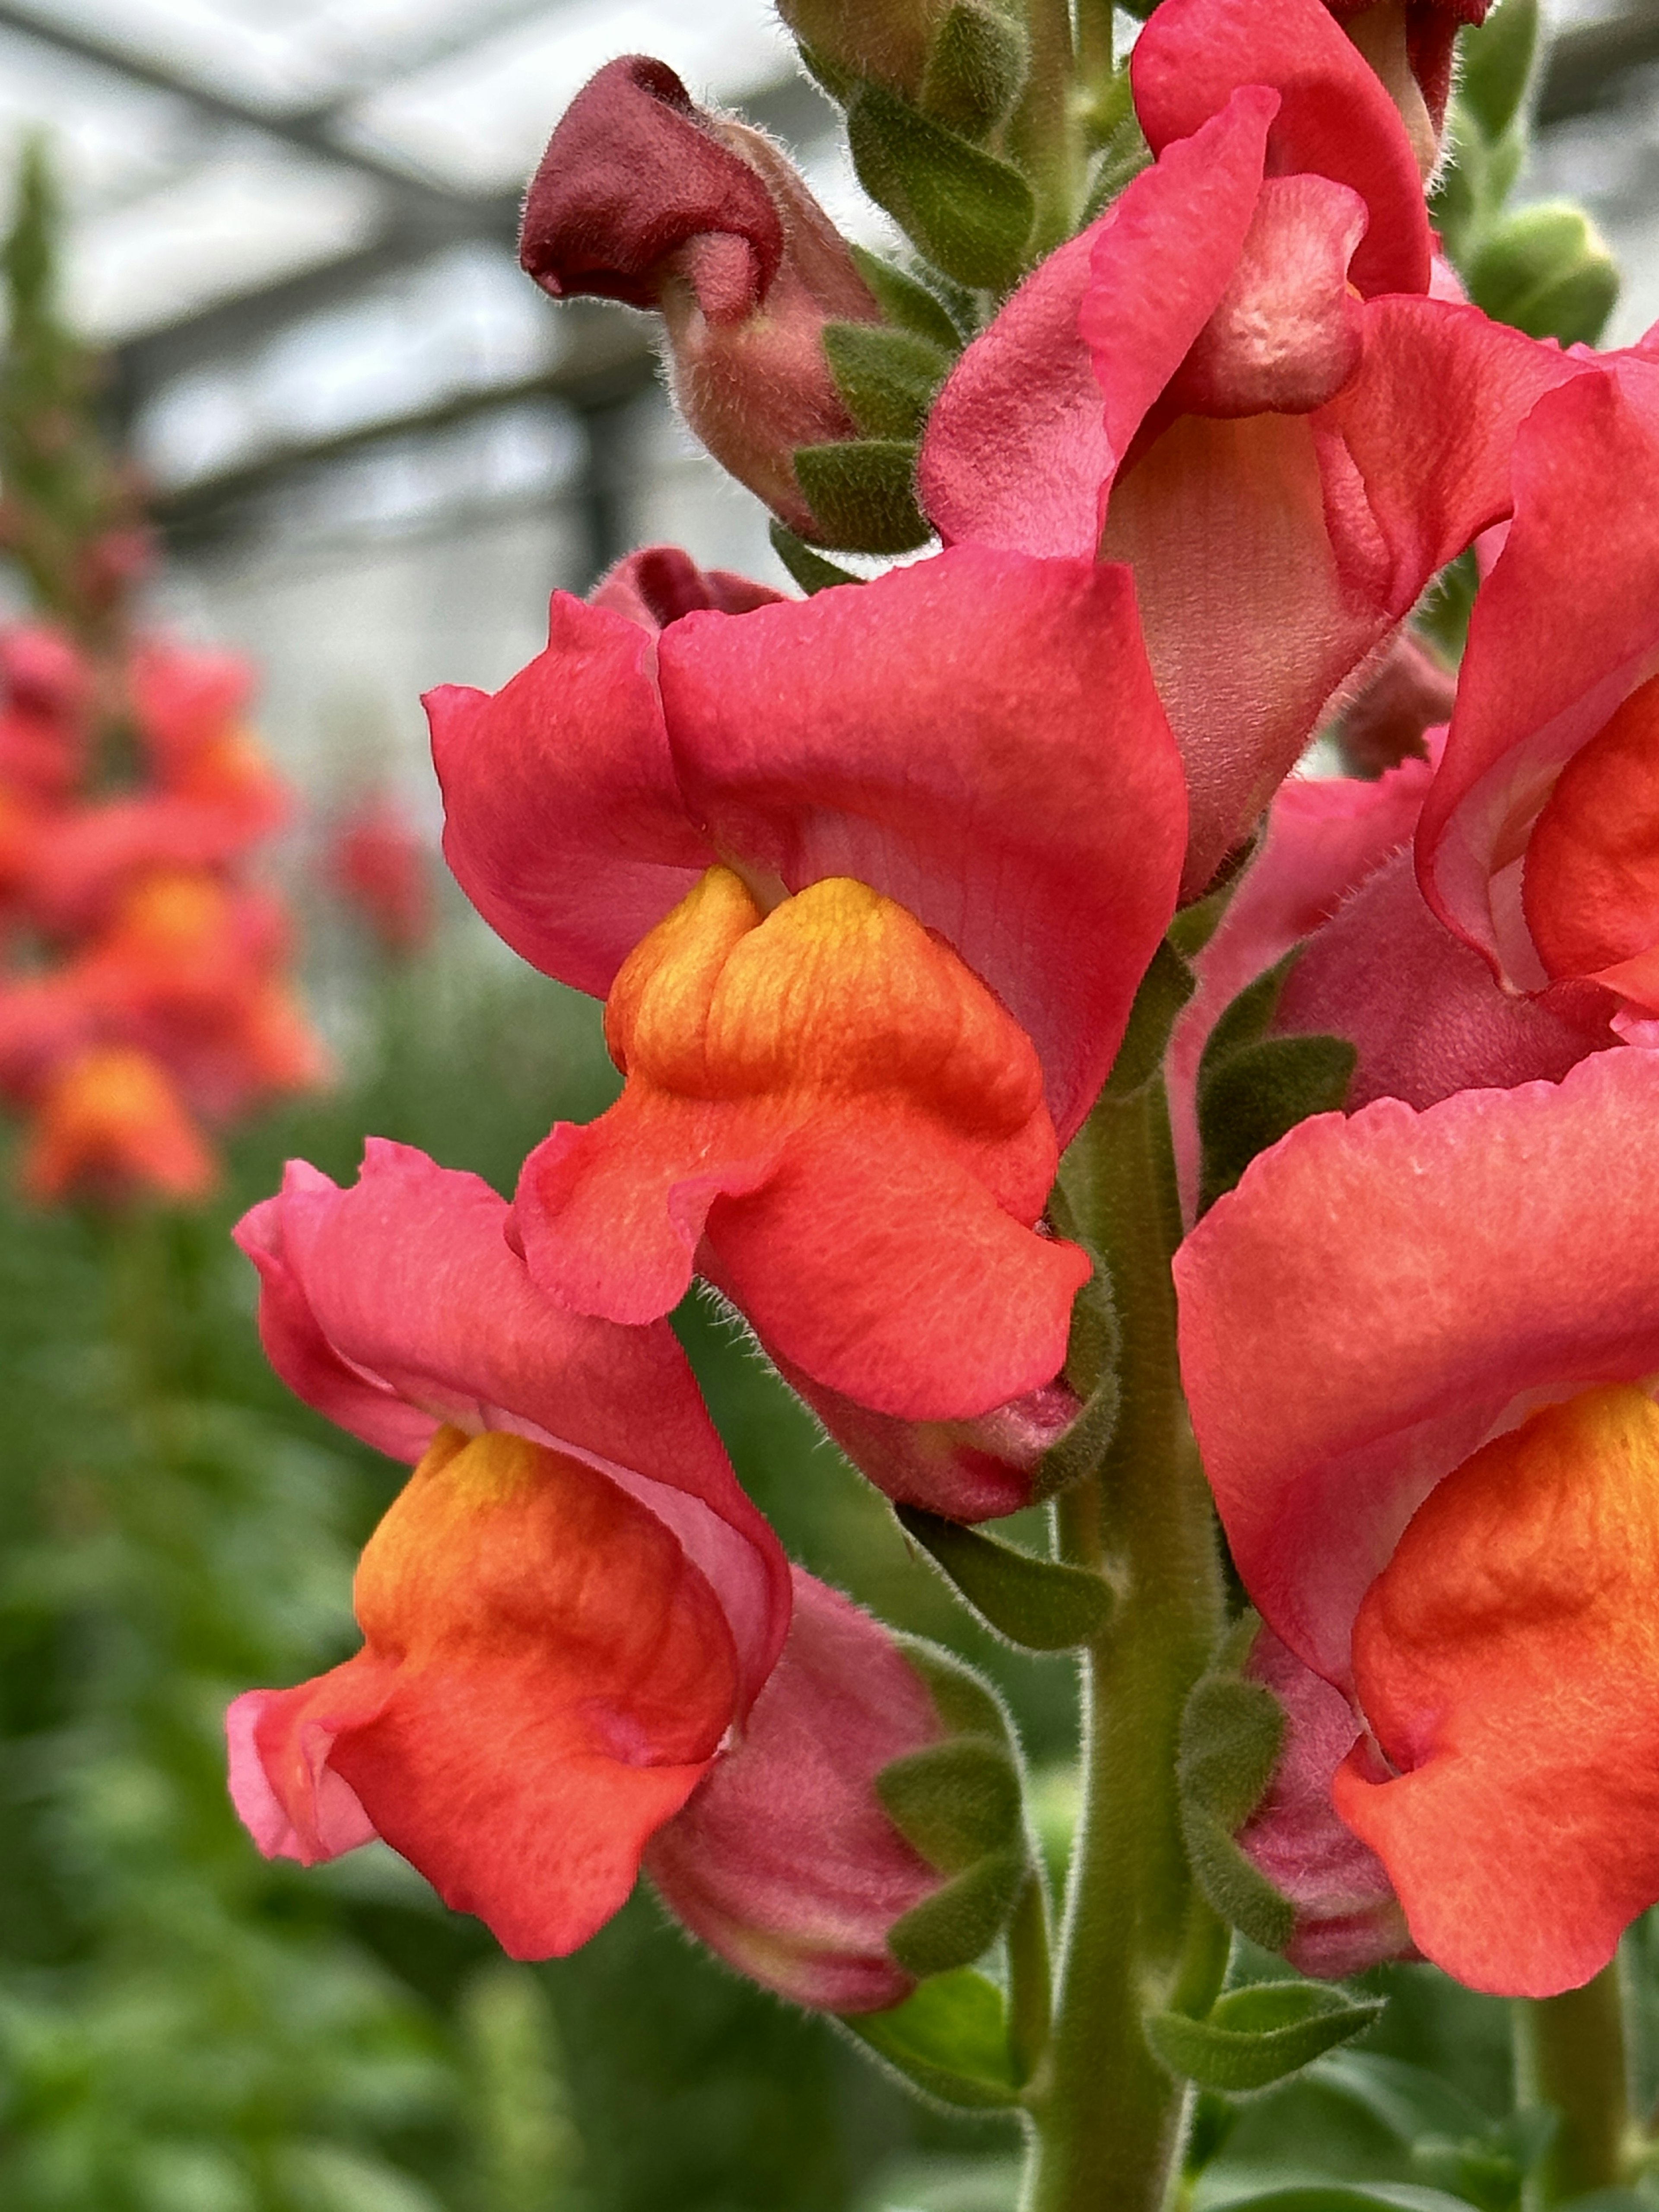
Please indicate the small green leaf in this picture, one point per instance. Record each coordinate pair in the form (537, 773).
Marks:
(810, 569)
(1037, 1604)
(886, 377)
(955, 1801)
(1256, 2036)
(1230, 1734)
(958, 1922)
(1258, 1095)
(970, 213)
(1253, 1089)
(1547, 271)
(974, 68)
(1165, 989)
(1498, 65)
(949, 2038)
(905, 300)
(861, 494)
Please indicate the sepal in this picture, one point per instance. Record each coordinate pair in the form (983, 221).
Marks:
(960, 1804)
(1231, 1734)
(1039, 1605)
(1255, 2036)
(809, 568)
(1253, 1089)
(950, 2039)
(970, 214)
(861, 492)
(974, 68)
(887, 378)
(906, 301)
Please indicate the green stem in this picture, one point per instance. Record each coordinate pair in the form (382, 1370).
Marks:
(1030, 1994)
(1569, 2052)
(1043, 133)
(1109, 2119)
(1097, 65)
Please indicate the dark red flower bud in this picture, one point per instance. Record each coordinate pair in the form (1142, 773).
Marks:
(644, 197)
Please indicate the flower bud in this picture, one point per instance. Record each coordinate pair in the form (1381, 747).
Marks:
(1346, 1915)
(865, 1830)
(642, 196)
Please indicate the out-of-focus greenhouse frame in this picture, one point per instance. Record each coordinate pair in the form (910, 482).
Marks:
(297, 238)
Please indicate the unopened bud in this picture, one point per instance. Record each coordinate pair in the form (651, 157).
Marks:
(866, 1830)
(644, 197)
(1345, 1915)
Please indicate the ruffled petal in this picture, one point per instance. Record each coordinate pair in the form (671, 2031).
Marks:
(563, 823)
(1376, 1295)
(977, 737)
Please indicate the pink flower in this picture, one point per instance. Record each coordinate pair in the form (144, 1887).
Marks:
(378, 862)
(1236, 382)
(785, 1860)
(1540, 839)
(644, 197)
(566, 1610)
(1416, 1348)
(870, 880)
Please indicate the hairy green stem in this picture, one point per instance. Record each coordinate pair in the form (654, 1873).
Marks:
(1569, 2052)
(1043, 133)
(1097, 63)
(1108, 2118)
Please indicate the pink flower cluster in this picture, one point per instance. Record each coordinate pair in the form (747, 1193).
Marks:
(144, 997)
(868, 882)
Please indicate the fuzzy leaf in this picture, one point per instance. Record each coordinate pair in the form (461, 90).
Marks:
(957, 1923)
(1256, 2036)
(1259, 1095)
(974, 69)
(905, 300)
(1498, 65)
(950, 2039)
(886, 377)
(862, 494)
(968, 211)
(955, 1801)
(1038, 1604)
(1230, 1736)
(810, 569)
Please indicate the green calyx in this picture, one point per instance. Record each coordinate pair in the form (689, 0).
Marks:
(970, 212)
(959, 1803)
(1232, 1734)
(862, 494)
(1038, 1604)
(886, 377)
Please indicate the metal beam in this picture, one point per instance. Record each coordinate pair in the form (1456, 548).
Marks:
(307, 129)
(1589, 64)
(608, 364)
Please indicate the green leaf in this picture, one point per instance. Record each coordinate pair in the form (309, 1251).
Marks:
(1038, 1604)
(958, 1922)
(1230, 1734)
(950, 2039)
(957, 1802)
(810, 569)
(1548, 272)
(886, 377)
(1253, 1089)
(1165, 989)
(905, 300)
(970, 213)
(861, 494)
(1256, 2036)
(974, 68)
(1498, 65)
